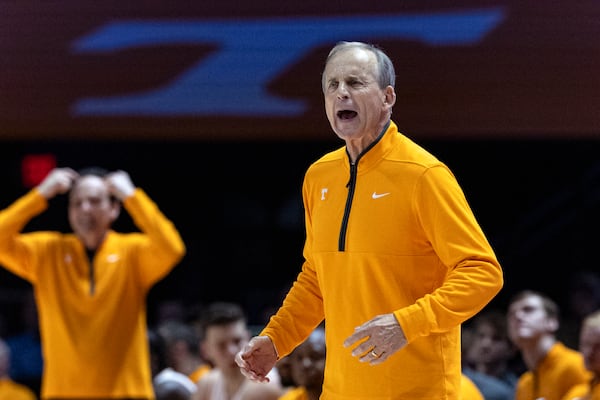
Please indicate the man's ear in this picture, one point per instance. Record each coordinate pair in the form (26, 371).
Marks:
(115, 211)
(552, 324)
(389, 96)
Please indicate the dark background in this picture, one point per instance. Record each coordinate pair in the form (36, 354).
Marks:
(238, 207)
(516, 116)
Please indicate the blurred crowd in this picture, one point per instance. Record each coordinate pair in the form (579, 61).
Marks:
(535, 346)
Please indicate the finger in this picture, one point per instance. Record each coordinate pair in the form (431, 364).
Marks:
(254, 376)
(357, 336)
(370, 356)
(247, 374)
(378, 360)
(362, 350)
(239, 360)
(246, 354)
(251, 375)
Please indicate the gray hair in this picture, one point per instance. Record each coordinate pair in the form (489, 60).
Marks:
(386, 74)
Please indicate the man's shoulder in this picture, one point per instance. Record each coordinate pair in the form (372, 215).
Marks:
(407, 150)
(205, 385)
(210, 377)
(50, 239)
(560, 353)
(333, 155)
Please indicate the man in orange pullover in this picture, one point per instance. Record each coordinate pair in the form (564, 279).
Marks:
(395, 260)
(91, 285)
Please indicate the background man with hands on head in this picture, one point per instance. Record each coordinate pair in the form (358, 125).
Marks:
(91, 285)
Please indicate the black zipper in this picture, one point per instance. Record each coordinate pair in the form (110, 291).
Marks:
(351, 185)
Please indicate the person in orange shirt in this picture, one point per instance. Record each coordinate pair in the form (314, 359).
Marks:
(307, 363)
(9, 389)
(91, 284)
(552, 368)
(394, 258)
(589, 345)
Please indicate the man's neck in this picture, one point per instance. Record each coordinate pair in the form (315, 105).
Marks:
(537, 351)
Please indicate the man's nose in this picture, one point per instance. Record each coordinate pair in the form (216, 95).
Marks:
(342, 91)
(85, 206)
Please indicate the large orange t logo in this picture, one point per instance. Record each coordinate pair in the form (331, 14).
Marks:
(234, 80)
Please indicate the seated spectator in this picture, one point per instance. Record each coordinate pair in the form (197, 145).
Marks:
(224, 332)
(167, 383)
(307, 366)
(182, 352)
(487, 355)
(173, 385)
(589, 345)
(9, 389)
(552, 368)
(284, 370)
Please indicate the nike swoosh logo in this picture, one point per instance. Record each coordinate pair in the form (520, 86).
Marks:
(111, 258)
(376, 195)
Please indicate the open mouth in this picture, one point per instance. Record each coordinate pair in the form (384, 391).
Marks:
(346, 114)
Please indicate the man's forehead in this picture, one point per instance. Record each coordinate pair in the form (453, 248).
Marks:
(531, 301)
(233, 329)
(90, 180)
(89, 185)
(343, 69)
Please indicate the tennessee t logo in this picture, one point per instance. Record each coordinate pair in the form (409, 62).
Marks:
(252, 53)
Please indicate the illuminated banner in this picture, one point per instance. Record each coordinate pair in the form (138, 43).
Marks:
(503, 70)
(251, 54)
